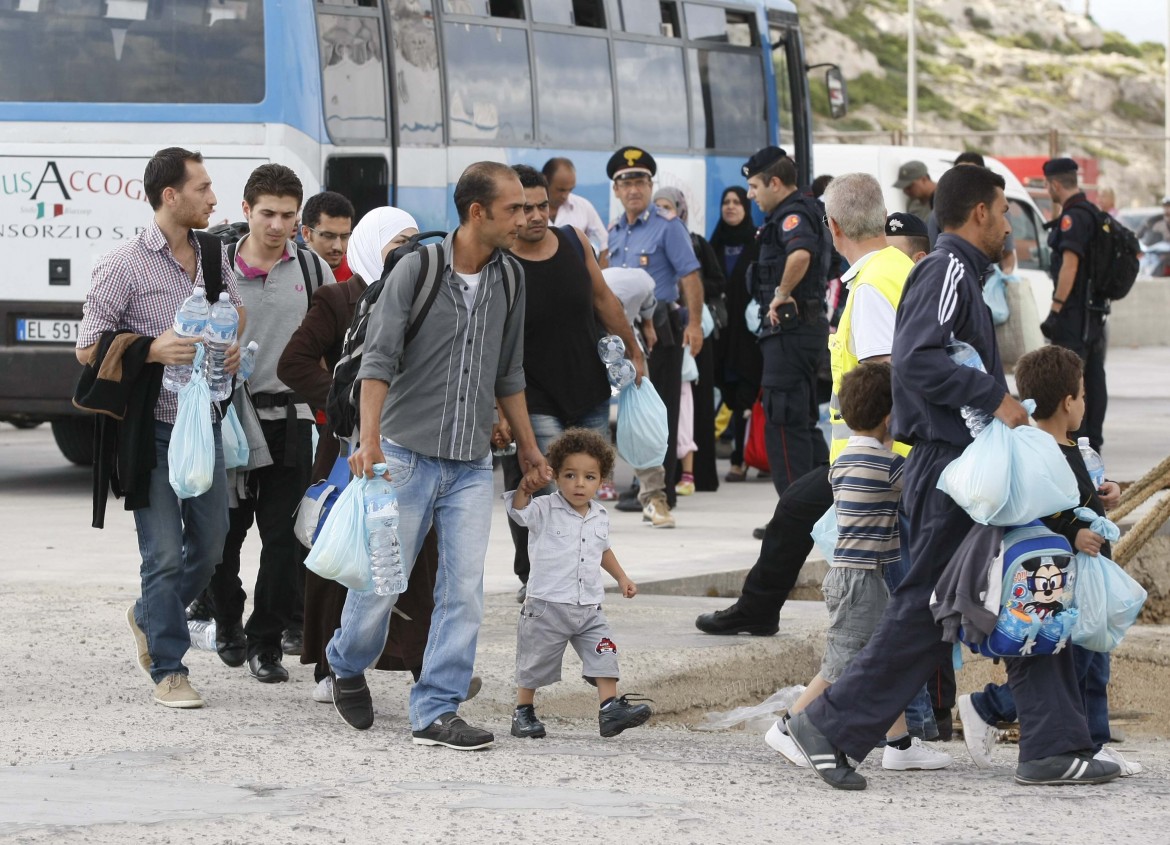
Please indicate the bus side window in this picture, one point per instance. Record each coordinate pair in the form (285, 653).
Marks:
(353, 77)
(417, 100)
(652, 95)
(727, 100)
(481, 105)
(575, 89)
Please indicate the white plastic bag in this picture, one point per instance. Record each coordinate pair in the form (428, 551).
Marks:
(707, 322)
(824, 534)
(340, 552)
(1107, 597)
(191, 453)
(995, 295)
(641, 426)
(756, 717)
(690, 367)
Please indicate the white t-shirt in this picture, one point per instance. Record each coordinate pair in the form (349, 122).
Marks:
(871, 327)
(470, 286)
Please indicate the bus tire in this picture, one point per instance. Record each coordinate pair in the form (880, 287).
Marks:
(74, 436)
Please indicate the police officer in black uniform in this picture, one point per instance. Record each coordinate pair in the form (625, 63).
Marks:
(1076, 320)
(788, 283)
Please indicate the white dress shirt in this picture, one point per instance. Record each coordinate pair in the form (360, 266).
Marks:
(579, 212)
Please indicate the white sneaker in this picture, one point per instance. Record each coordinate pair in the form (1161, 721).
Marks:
(918, 756)
(779, 740)
(323, 692)
(1128, 767)
(658, 514)
(979, 736)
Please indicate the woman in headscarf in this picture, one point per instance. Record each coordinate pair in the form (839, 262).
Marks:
(738, 367)
(696, 443)
(306, 366)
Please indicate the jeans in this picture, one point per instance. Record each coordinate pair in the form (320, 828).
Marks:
(547, 428)
(180, 541)
(457, 497)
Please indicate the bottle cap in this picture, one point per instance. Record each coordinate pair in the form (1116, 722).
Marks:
(1083, 443)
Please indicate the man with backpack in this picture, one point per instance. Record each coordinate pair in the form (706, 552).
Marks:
(426, 383)
(276, 281)
(1094, 260)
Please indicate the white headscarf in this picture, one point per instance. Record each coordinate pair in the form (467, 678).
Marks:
(370, 236)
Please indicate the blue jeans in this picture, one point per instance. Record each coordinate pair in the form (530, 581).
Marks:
(181, 542)
(919, 712)
(457, 497)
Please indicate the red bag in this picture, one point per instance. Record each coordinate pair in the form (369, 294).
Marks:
(755, 453)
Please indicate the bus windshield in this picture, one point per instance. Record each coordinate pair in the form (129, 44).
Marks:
(133, 51)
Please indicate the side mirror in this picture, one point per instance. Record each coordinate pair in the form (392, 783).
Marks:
(838, 94)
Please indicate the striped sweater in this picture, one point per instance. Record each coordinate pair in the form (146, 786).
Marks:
(867, 483)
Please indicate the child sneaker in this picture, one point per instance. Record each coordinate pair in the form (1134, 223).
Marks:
(618, 714)
(918, 756)
(979, 736)
(778, 740)
(1111, 755)
(686, 485)
(606, 492)
(525, 723)
(323, 692)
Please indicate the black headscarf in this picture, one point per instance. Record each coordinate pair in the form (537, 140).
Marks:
(741, 235)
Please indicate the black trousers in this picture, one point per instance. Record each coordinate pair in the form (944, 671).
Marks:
(274, 493)
(665, 370)
(907, 646)
(793, 441)
(786, 544)
(705, 472)
(1070, 333)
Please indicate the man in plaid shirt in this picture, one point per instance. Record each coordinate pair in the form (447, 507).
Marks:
(138, 287)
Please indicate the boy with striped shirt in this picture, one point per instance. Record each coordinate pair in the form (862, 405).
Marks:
(867, 484)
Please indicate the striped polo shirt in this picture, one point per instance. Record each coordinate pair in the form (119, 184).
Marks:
(867, 483)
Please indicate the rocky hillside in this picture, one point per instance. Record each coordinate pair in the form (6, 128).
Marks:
(992, 66)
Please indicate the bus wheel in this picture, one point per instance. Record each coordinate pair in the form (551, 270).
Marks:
(74, 436)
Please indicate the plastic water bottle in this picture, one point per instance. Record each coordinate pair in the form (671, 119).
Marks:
(621, 374)
(219, 335)
(381, 505)
(611, 348)
(965, 355)
(190, 321)
(202, 634)
(247, 362)
(1093, 462)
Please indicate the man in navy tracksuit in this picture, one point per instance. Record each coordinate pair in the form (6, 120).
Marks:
(943, 299)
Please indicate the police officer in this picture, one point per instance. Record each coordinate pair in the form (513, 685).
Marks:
(1076, 320)
(788, 282)
(641, 237)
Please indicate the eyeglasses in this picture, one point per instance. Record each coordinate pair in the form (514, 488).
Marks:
(330, 236)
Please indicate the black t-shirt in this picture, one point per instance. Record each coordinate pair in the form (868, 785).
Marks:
(1072, 233)
(1066, 522)
(563, 373)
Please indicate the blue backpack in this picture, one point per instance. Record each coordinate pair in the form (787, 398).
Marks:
(319, 499)
(1030, 586)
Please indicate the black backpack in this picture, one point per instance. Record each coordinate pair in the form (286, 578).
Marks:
(231, 234)
(1113, 257)
(342, 406)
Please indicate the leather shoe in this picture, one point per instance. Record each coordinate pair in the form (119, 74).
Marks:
(731, 620)
(230, 643)
(292, 641)
(266, 668)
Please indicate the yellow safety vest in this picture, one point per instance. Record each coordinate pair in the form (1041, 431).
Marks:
(885, 271)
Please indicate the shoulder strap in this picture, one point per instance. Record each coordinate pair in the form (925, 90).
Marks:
(571, 235)
(211, 259)
(426, 287)
(303, 261)
(512, 278)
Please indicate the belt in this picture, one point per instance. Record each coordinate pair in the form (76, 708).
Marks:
(288, 401)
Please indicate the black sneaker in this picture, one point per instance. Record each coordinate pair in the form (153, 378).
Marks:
(1066, 769)
(292, 641)
(732, 620)
(451, 731)
(619, 714)
(230, 642)
(351, 698)
(826, 760)
(525, 723)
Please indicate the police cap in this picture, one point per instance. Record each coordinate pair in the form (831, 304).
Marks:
(630, 162)
(1056, 166)
(909, 172)
(907, 225)
(761, 161)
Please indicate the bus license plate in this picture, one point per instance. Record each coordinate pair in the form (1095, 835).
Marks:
(33, 330)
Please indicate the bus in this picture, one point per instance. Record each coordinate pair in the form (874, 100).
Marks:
(385, 101)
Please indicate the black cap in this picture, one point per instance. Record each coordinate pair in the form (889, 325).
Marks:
(762, 160)
(907, 225)
(629, 162)
(1056, 166)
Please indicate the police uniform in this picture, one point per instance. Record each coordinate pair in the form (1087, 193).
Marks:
(662, 247)
(791, 353)
(1080, 325)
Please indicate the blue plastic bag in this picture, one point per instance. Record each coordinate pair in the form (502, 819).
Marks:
(1109, 600)
(824, 534)
(995, 295)
(690, 367)
(235, 442)
(707, 322)
(641, 426)
(339, 551)
(1011, 476)
(191, 454)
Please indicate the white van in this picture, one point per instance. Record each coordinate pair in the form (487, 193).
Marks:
(1032, 297)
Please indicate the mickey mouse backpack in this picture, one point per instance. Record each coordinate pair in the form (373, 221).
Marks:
(1030, 584)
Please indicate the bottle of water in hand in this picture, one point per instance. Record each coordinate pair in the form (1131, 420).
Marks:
(381, 505)
(218, 337)
(190, 321)
(611, 348)
(1093, 462)
(247, 362)
(621, 374)
(965, 355)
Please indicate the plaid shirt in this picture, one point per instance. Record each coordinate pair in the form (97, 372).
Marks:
(139, 286)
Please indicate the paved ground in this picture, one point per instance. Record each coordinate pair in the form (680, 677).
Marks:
(90, 759)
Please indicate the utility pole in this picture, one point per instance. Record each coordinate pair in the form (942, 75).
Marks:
(912, 81)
